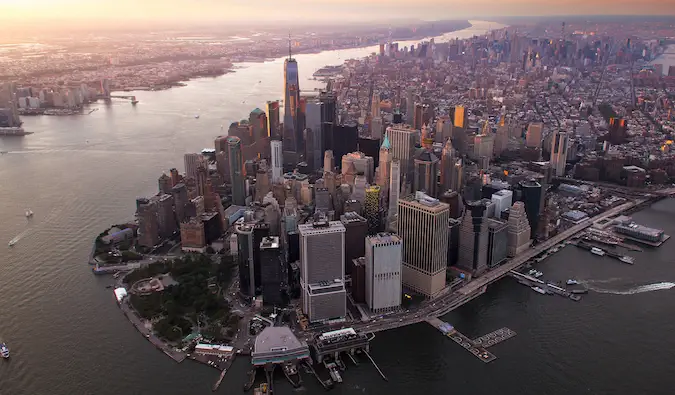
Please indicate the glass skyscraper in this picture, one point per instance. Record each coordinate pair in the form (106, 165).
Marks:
(291, 135)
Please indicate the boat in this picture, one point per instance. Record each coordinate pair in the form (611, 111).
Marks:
(13, 241)
(29, 213)
(4, 350)
(572, 282)
(3, 152)
(261, 390)
(597, 251)
(197, 116)
(627, 259)
(292, 374)
(539, 290)
(535, 273)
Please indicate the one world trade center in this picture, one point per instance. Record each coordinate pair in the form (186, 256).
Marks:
(292, 136)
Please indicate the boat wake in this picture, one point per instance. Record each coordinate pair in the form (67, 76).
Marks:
(634, 290)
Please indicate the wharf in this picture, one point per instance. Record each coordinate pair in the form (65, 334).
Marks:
(495, 337)
(477, 350)
(549, 287)
(13, 131)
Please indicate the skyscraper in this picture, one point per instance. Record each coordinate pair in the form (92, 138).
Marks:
(535, 132)
(559, 145)
(423, 226)
(292, 136)
(384, 167)
(362, 164)
(272, 271)
(459, 121)
(383, 272)
(426, 173)
(237, 174)
(328, 161)
(277, 164)
(356, 230)
(518, 230)
(402, 139)
(473, 239)
(148, 222)
(617, 130)
(273, 119)
(375, 105)
(322, 269)
(314, 112)
(259, 124)
(394, 191)
(192, 162)
(497, 242)
(532, 196)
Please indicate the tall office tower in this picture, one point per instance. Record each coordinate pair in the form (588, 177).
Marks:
(148, 222)
(192, 162)
(257, 119)
(483, 146)
(237, 174)
(384, 254)
(175, 177)
(9, 112)
(345, 140)
(501, 141)
(328, 161)
(273, 119)
(473, 239)
(459, 121)
(323, 201)
(423, 226)
(262, 184)
(371, 209)
(384, 166)
(518, 230)
(277, 161)
(180, 199)
(292, 136)
(535, 132)
(247, 285)
(410, 105)
(329, 118)
(559, 146)
(242, 130)
(376, 127)
(375, 105)
(165, 215)
(394, 191)
(313, 157)
(359, 189)
(370, 147)
(502, 200)
(202, 176)
(454, 200)
(322, 268)
(426, 137)
(448, 160)
(426, 173)
(498, 241)
(272, 271)
(532, 197)
(618, 128)
(356, 230)
(402, 139)
(164, 183)
(362, 164)
(418, 116)
(314, 112)
(349, 173)
(454, 226)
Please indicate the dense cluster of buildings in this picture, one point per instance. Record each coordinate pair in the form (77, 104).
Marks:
(417, 168)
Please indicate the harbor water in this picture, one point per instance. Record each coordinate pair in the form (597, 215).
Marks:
(79, 174)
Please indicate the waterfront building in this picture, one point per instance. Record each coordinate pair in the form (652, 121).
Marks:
(322, 267)
(272, 271)
(423, 226)
(497, 242)
(383, 262)
(278, 345)
(257, 119)
(273, 119)
(192, 163)
(371, 209)
(535, 131)
(164, 183)
(473, 239)
(362, 164)
(559, 146)
(192, 235)
(402, 139)
(356, 230)
(148, 222)
(518, 230)
(237, 173)
(426, 173)
(180, 200)
(166, 218)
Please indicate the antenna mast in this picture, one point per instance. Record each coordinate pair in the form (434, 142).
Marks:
(289, 46)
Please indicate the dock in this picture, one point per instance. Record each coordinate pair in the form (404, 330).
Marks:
(220, 380)
(549, 287)
(376, 367)
(477, 350)
(494, 338)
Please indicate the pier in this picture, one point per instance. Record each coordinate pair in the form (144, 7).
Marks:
(477, 350)
(376, 367)
(220, 380)
(549, 287)
(494, 338)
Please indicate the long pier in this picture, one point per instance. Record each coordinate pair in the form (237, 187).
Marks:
(494, 338)
(476, 349)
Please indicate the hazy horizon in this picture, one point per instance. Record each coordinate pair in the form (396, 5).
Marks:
(25, 14)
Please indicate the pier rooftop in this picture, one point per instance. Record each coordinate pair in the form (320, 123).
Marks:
(277, 344)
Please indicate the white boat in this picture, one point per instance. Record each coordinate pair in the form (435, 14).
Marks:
(597, 251)
(627, 259)
(4, 350)
(539, 290)
(572, 282)
(12, 242)
(29, 213)
(197, 116)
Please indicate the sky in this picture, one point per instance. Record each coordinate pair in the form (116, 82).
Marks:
(119, 12)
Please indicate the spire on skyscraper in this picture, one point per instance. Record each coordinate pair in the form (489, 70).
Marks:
(385, 142)
(289, 46)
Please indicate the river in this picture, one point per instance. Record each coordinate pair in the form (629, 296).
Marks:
(79, 174)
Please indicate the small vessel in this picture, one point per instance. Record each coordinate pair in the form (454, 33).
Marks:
(197, 116)
(29, 213)
(12, 242)
(134, 102)
(4, 350)
(3, 152)
(597, 251)
(572, 281)
(627, 259)
(535, 273)
(539, 290)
